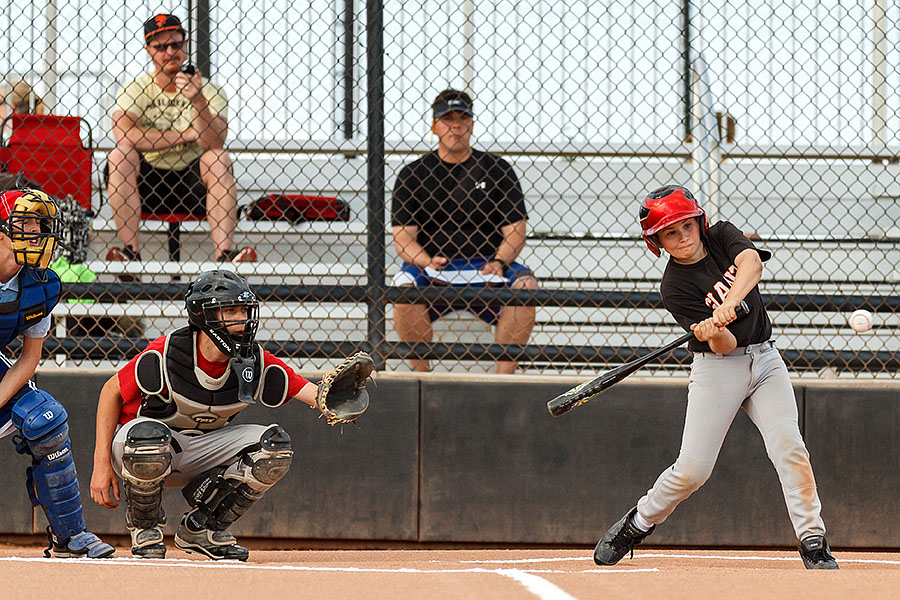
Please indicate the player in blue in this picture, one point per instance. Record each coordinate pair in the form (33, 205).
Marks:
(28, 293)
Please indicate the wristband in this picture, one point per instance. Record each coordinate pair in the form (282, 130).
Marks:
(502, 262)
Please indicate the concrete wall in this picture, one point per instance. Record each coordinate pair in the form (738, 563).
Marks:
(458, 459)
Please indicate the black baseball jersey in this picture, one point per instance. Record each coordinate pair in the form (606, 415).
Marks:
(459, 208)
(692, 292)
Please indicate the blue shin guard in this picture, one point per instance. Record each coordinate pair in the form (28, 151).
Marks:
(53, 484)
(51, 479)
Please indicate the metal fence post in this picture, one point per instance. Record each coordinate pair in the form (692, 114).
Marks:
(375, 185)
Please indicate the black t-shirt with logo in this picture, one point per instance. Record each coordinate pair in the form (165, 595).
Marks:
(692, 292)
(459, 208)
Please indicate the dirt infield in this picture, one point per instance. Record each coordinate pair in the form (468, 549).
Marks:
(451, 574)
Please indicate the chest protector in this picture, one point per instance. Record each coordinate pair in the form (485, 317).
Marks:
(177, 392)
(34, 301)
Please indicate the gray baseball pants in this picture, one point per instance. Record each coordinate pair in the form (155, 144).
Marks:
(756, 379)
(194, 455)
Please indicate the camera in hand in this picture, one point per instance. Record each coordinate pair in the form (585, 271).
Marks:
(189, 69)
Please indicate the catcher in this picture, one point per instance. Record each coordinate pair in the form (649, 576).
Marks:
(162, 420)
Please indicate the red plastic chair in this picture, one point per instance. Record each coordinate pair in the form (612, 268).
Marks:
(49, 151)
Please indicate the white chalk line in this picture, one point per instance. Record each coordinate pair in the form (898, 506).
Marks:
(526, 560)
(538, 586)
(528, 578)
(233, 564)
(696, 556)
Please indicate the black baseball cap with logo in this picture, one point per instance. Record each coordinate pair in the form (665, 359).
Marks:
(159, 23)
(449, 101)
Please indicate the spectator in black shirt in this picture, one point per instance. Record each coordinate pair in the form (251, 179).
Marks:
(459, 218)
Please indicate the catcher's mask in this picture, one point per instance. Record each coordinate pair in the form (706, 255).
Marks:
(207, 295)
(665, 206)
(30, 218)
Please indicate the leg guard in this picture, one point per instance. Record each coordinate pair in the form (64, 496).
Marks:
(51, 479)
(216, 502)
(146, 462)
(265, 464)
(221, 495)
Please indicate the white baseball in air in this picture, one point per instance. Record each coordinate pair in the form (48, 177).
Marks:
(860, 321)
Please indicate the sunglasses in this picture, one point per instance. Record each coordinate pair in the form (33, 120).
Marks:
(174, 46)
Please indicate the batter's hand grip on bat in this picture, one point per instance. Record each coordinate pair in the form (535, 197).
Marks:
(583, 392)
(741, 310)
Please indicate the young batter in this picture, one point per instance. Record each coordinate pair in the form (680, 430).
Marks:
(735, 365)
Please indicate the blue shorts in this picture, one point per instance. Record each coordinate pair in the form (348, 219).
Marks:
(461, 272)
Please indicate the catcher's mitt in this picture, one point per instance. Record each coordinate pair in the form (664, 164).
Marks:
(342, 395)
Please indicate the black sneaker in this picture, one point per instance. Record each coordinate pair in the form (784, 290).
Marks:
(816, 554)
(619, 541)
(218, 545)
(124, 254)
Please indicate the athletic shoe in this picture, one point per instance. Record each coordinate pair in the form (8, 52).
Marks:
(619, 541)
(816, 554)
(124, 255)
(218, 545)
(84, 544)
(147, 543)
(245, 255)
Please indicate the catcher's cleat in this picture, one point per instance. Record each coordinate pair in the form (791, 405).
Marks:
(619, 541)
(80, 545)
(218, 545)
(147, 543)
(816, 554)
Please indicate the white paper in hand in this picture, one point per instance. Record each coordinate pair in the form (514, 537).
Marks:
(468, 277)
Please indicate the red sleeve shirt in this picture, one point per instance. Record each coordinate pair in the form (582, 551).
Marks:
(295, 382)
(131, 395)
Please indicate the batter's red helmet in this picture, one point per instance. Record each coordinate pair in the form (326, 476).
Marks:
(667, 205)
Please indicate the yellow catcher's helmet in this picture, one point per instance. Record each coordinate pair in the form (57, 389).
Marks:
(30, 219)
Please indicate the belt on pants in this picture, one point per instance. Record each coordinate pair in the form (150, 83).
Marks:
(752, 349)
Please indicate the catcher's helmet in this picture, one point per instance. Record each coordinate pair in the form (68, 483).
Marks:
(667, 205)
(19, 210)
(207, 295)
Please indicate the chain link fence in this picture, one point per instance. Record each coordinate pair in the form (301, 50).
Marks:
(782, 117)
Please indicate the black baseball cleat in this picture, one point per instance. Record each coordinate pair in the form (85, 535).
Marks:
(816, 554)
(147, 543)
(619, 541)
(218, 545)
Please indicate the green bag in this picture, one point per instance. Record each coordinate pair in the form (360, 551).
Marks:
(73, 273)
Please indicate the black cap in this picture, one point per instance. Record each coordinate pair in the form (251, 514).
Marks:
(449, 101)
(159, 23)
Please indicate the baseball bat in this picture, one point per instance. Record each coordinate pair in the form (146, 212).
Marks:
(583, 392)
